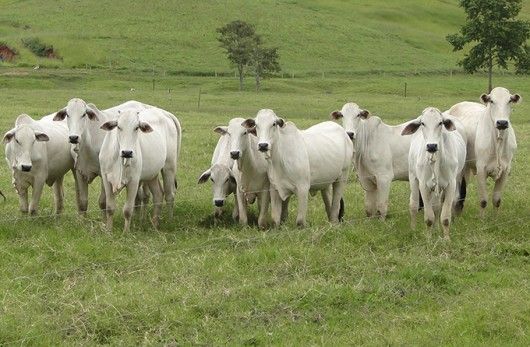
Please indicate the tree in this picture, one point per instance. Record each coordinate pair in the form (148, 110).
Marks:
(264, 61)
(238, 38)
(500, 37)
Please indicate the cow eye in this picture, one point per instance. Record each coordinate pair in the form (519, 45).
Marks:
(118, 128)
(18, 142)
(136, 129)
(211, 179)
(83, 116)
(440, 123)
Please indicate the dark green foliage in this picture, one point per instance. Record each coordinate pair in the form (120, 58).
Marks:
(500, 37)
(238, 38)
(264, 61)
(39, 48)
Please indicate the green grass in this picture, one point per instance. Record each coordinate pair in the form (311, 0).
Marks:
(313, 36)
(68, 281)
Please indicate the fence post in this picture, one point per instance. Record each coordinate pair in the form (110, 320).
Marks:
(405, 91)
(199, 100)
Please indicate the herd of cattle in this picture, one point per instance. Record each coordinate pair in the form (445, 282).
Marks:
(267, 159)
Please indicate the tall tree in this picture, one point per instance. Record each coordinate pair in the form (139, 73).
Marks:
(238, 38)
(500, 37)
(264, 61)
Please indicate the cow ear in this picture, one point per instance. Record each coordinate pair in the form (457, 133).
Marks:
(9, 136)
(221, 130)
(111, 124)
(204, 176)
(145, 127)
(280, 122)
(515, 98)
(449, 124)
(60, 115)
(364, 114)
(91, 114)
(485, 98)
(41, 136)
(336, 115)
(249, 123)
(252, 131)
(411, 128)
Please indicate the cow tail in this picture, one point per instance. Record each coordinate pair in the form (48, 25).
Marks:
(3, 195)
(341, 210)
(462, 195)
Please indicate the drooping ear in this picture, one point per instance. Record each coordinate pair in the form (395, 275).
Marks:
(9, 136)
(92, 112)
(204, 176)
(41, 136)
(515, 98)
(60, 115)
(485, 98)
(111, 124)
(279, 122)
(145, 127)
(449, 124)
(221, 130)
(249, 123)
(336, 115)
(252, 131)
(411, 128)
(364, 114)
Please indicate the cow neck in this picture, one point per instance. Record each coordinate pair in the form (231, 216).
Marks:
(441, 162)
(248, 162)
(365, 136)
(498, 138)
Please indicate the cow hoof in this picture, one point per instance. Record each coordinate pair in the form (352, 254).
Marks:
(429, 222)
(497, 203)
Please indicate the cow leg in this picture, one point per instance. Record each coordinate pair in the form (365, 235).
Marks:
(497, 190)
(110, 204)
(276, 207)
(447, 206)
(242, 206)
(128, 207)
(428, 212)
(158, 197)
(414, 201)
(139, 206)
(302, 194)
(76, 186)
(370, 197)
(23, 199)
(82, 188)
(338, 188)
(482, 189)
(383, 190)
(169, 180)
(263, 203)
(327, 199)
(285, 209)
(102, 201)
(58, 195)
(36, 193)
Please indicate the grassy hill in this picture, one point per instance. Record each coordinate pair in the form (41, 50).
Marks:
(314, 36)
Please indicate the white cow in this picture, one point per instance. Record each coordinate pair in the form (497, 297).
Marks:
(436, 161)
(84, 122)
(37, 153)
(221, 175)
(137, 147)
(380, 155)
(491, 140)
(303, 161)
(250, 170)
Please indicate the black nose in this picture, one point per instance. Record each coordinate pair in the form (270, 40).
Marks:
(263, 147)
(502, 124)
(432, 147)
(350, 134)
(234, 155)
(219, 203)
(26, 168)
(73, 139)
(126, 154)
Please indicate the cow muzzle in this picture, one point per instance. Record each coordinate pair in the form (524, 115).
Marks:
(502, 124)
(235, 155)
(350, 134)
(218, 203)
(432, 147)
(126, 154)
(74, 139)
(25, 168)
(263, 147)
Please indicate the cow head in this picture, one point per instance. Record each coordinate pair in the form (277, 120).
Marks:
(432, 122)
(22, 140)
(128, 127)
(351, 114)
(499, 105)
(77, 113)
(265, 126)
(238, 137)
(222, 179)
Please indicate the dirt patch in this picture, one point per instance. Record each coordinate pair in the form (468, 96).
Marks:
(7, 53)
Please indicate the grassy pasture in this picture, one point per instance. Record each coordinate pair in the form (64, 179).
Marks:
(67, 281)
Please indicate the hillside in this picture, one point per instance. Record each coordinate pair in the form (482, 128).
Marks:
(314, 36)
